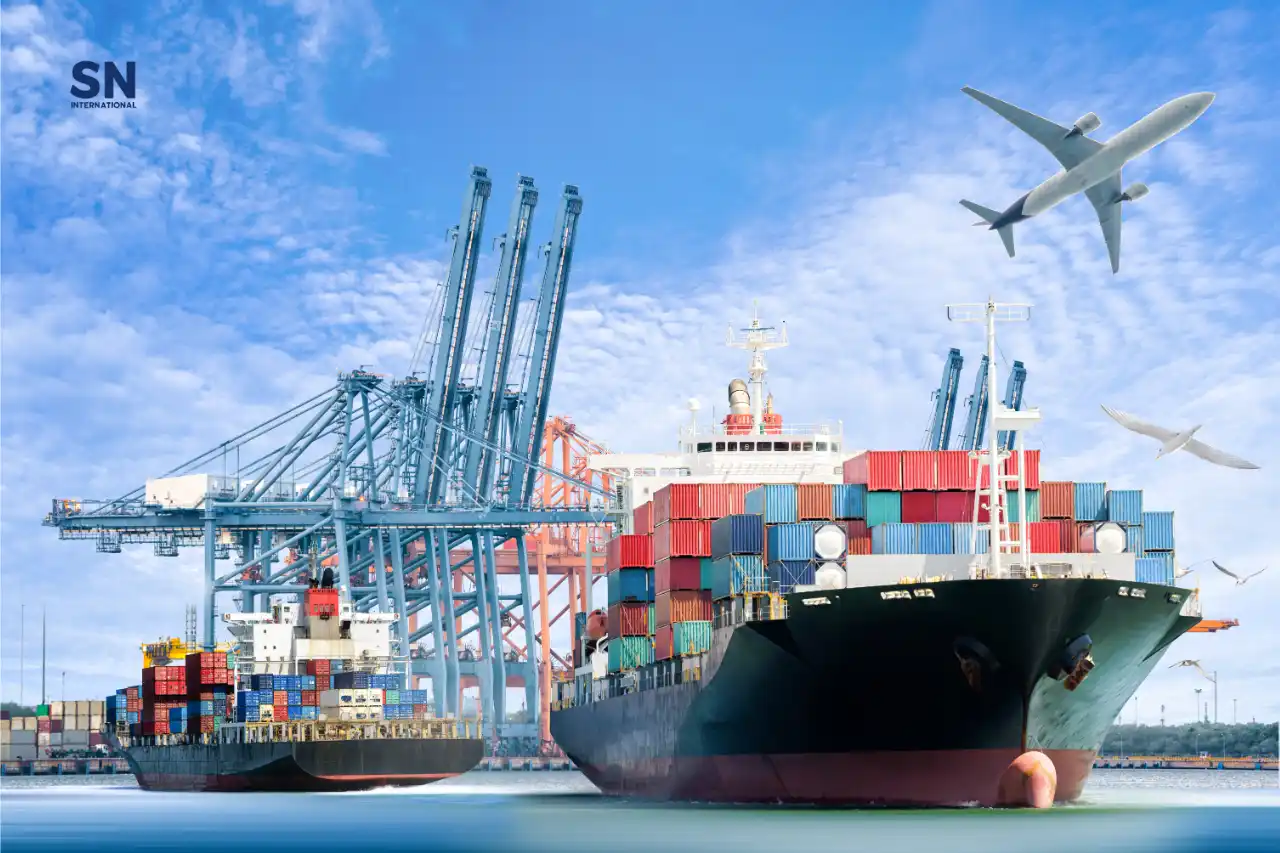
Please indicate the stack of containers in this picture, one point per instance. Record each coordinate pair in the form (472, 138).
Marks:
(737, 553)
(630, 566)
(164, 700)
(1155, 564)
(19, 738)
(849, 507)
(208, 683)
(796, 552)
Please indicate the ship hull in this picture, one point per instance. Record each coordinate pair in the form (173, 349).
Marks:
(869, 700)
(307, 766)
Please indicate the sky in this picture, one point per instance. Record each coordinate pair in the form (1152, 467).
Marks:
(275, 208)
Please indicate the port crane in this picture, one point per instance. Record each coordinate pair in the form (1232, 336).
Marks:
(938, 436)
(406, 487)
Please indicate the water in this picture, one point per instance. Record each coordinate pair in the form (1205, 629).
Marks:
(1131, 810)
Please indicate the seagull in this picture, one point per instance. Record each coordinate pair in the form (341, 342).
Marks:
(1194, 663)
(1171, 441)
(1240, 581)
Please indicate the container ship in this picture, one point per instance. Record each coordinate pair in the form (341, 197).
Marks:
(790, 621)
(309, 698)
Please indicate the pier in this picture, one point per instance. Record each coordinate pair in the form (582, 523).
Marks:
(1190, 762)
(65, 767)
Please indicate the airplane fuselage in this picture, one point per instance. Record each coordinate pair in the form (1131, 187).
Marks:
(1135, 140)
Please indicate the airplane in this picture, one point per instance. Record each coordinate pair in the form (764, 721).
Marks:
(1088, 166)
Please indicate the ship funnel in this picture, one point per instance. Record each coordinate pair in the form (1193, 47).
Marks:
(739, 399)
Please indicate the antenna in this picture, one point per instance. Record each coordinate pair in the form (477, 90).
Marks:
(756, 339)
(992, 312)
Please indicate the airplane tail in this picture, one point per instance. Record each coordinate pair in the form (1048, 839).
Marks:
(989, 216)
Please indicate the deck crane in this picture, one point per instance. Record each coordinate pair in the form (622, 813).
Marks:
(1012, 400)
(976, 423)
(944, 409)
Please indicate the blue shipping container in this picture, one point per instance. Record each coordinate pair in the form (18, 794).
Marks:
(262, 682)
(789, 541)
(787, 573)
(736, 574)
(690, 638)
(848, 501)
(1125, 506)
(935, 538)
(884, 508)
(1091, 501)
(1157, 568)
(630, 585)
(737, 534)
(777, 503)
(1157, 531)
(1133, 540)
(894, 539)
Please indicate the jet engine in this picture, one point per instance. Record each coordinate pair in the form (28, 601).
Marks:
(1134, 192)
(1087, 123)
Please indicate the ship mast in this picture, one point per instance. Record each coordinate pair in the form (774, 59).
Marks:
(756, 339)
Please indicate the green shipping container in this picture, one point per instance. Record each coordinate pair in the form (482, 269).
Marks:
(653, 608)
(42, 710)
(629, 652)
(1033, 505)
(690, 638)
(884, 508)
(708, 573)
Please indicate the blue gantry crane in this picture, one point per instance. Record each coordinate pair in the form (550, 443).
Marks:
(944, 409)
(1012, 400)
(976, 422)
(389, 481)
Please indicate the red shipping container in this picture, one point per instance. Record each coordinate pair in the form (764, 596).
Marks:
(629, 619)
(860, 546)
(663, 642)
(1067, 534)
(55, 725)
(44, 724)
(642, 518)
(919, 507)
(629, 551)
(1057, 500)
(677, 573)
(682, 605)
(682, 539)
(419, 712)
(738, 497)
(856, 529)
(675, 502)
(955, 507)
(813, 501)
(878, 470)
(279, 697)
(309, 697)
(919, 470)
(1045, 537)
(1033, 468)
(954, 470)
(716, 500)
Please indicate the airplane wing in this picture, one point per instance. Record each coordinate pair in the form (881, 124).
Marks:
(1067, 149)
(1105, 198)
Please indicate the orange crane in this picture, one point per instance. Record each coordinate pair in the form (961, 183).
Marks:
(1211, 626)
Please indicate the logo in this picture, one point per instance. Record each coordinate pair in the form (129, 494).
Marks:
(94, 95)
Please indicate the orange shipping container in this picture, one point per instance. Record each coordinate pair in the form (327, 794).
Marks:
(682, 605)
(1057, 500)
(919, 471)
(682, 539)
(813, 501)
(860, 546)
(677, 501)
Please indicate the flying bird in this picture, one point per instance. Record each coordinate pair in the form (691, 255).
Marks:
(1240, 581)
(1171, 441)
(1194, 663)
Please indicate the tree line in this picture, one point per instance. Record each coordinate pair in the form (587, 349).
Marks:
(1218, 739)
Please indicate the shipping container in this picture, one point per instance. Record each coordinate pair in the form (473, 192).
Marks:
(1133, 541)
(642, 518)
(1090, 501)
(629, 551)
(894, 539)
(777, 503)
(629, 619)
(1057, 500)
(1032, 476)
(1157, 531)
(813, 502)
(955, 470)
(1154, 568)
(737, 534)
(682, 538)
(884, 508)
(789, 541)
(787, 573)
(721, 499)
(1045, 537)
(706, 571)
(1124, 506)
(848, 500)
(919, 470)
(1066, 534)
(954, 507)
(878, 470)
(962, 536)
(690, 638)
(738, 574)
(629, 653)
(677, 502)
(856, 529)
(860, 545)
(627, 585)
(681, 606)
(1033, 505)
(677, 573)
(919, 507)
(936, 538)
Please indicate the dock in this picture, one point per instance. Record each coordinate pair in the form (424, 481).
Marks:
(1166, 762)
(65, 767)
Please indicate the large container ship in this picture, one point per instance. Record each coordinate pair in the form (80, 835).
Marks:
(792, 621)
(309, 698)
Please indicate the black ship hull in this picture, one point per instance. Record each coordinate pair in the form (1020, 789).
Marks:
(870, 699)
(303, 766)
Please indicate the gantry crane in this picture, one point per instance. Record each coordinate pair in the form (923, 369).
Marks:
(407, 487)
(976, 422)
(944, 409)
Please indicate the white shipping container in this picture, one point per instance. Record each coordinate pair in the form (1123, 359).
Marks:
(42, 738)
(95, 722)
(6, 725)
(82, 707)
(97, 706)
(75, 738)
(22, 738)
(58, 709)
(266, 713)
(338, 698)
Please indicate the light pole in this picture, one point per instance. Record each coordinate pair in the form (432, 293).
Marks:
(1196, 717)
(1234, 719)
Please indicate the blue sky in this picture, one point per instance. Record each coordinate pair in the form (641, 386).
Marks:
(275, 211)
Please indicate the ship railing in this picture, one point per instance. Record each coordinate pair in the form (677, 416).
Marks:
(466, 728)
(820, 429)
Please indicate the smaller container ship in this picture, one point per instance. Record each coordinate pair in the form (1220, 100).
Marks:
(310, 699)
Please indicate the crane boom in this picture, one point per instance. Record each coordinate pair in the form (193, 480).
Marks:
(944, 409)
(976, 423)
(1013, 400)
